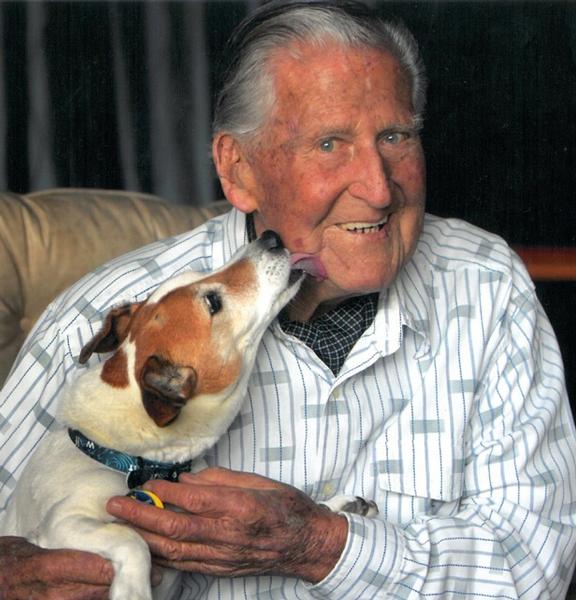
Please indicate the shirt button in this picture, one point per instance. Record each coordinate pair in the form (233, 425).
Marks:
(336, 394)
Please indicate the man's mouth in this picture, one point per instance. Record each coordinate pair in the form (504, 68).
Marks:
(360, 227)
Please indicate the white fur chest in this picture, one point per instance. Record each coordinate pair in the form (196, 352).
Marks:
(57, 476)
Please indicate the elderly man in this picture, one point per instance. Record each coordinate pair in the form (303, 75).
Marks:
(416, 366)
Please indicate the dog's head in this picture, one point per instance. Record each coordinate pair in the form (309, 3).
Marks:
(196, 335)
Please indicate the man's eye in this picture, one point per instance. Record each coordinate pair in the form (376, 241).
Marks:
(213, 301)
(327, 145)
(394, 138)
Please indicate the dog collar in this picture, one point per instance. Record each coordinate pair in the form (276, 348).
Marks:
(138, 470)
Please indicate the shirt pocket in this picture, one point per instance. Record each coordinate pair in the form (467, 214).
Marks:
(421, 457)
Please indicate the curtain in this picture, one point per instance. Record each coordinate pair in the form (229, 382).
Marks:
(107, 94)
(118, 94)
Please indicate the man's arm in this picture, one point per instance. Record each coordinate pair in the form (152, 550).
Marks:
(28, 398)
(510, 535)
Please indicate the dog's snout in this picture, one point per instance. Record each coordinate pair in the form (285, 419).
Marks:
(271, 240)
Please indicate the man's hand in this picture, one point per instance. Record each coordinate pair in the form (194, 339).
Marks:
(237, 524)
(33, 573)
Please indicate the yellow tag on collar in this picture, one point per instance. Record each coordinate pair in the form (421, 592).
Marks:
(146, 497)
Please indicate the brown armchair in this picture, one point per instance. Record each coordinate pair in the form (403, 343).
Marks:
(49, 239)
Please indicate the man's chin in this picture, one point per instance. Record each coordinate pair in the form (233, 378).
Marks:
(364, 276)
(340, 288)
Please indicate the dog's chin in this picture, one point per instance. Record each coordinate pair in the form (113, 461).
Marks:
(296, 276)
(295, 280)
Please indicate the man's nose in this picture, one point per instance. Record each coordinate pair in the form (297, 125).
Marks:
(371, 179)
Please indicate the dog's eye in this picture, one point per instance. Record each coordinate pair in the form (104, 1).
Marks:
(213, 301)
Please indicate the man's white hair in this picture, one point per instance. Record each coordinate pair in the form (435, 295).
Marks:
(247, 95)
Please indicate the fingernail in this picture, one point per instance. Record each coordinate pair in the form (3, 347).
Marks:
(113, 505)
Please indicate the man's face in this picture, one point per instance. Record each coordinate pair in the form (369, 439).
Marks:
(339, 170)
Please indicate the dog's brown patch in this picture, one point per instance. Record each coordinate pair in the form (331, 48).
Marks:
(179, 329)
(115, 370)
(237, 278)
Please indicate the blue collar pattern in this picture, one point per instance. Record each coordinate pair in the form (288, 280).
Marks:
(138, 470)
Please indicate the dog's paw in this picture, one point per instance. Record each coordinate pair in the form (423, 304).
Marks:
(130, 586)
(352, 504)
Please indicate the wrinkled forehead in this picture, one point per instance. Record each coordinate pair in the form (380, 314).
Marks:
(236, 276)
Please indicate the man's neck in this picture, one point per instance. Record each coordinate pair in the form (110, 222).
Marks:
(314, 299)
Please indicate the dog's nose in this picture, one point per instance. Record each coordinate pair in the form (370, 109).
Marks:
(271, 240)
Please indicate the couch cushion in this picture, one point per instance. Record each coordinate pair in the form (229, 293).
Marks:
(50, 239)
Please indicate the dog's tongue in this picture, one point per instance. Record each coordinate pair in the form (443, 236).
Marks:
(309, 263)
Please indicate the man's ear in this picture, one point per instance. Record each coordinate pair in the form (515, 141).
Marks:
(235, 172)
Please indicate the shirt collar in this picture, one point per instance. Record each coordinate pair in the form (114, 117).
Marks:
(406, 303)
(334, 333)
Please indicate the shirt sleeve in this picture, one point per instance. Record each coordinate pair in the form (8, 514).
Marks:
(28, 397)
(511, 534)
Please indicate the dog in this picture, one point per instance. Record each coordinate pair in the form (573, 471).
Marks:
(172, 386)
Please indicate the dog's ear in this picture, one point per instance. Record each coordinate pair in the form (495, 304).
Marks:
(165, 389)
(112, 333)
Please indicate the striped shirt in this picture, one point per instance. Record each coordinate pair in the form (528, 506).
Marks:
(450, 411)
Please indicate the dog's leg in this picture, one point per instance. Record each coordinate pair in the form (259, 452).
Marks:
(126, 550)
(352, 504)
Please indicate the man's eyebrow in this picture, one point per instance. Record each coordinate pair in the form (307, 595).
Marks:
(414, 126)
(333, 131)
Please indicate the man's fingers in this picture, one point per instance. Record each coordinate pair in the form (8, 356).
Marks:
(165, 522)
(77, 567)
(215, 569)
(192, 499)
(175, 525)
(177, 552)
(85, 592)
(32, 563)
(28, 571)
(208, 500)
(227, 477)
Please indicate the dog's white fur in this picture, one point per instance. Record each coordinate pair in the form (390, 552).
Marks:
(61, 496)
